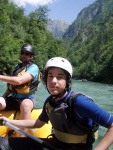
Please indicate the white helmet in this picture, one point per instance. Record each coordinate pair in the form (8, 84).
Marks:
(60, 63)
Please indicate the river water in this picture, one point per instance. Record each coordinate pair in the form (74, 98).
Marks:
(101, 93)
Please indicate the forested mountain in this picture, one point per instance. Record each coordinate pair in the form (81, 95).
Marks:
(89, 42)
(57, 27)
(17, 29)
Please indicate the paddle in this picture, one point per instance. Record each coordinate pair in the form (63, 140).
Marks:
(48, 145)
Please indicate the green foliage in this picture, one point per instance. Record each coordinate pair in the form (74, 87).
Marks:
(87, 43)
(90, 47)
(17, 29)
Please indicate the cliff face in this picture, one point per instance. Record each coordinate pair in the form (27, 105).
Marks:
(95, 12)
(57, 27)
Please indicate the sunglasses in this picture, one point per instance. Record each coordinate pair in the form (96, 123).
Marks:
(25, 53)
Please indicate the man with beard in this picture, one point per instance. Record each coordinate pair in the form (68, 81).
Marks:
(22, 84)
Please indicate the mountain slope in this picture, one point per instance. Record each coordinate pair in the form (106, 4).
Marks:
(96, 12)
(89, 41)
(57, 27)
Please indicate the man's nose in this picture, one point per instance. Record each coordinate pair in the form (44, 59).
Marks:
(54, 79)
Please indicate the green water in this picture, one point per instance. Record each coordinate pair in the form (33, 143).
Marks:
(101, 93)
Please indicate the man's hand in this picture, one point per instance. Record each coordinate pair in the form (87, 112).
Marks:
(2, 119)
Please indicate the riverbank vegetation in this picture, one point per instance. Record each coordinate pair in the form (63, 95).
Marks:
(17, 29)
(87, 43)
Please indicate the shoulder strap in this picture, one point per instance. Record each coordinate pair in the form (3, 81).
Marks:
(39, 76)
(16, 68)
(71, 98)
(70, 102)
(89, 130)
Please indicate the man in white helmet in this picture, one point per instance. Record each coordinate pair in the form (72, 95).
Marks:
(74, 116)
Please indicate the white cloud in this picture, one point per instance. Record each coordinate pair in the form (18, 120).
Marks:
(32, 2)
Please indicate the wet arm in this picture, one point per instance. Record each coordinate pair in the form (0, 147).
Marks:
(27, 123)
(93, 111)
(17, 80)
(107, 140)
(32, 123)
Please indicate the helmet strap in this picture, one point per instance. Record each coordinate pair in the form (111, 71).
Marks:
(53, 98)
(59, 95)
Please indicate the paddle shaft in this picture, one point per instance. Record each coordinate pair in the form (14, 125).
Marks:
(29, 135)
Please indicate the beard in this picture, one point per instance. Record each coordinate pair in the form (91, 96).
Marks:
(24, 61)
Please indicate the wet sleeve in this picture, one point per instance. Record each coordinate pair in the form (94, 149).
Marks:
(33, 70)
(86, 108)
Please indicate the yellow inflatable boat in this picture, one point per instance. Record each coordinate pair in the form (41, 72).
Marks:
(40, 132)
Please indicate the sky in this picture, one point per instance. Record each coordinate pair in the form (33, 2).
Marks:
(66, 10)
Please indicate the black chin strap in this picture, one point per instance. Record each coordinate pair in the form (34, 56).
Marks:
(53, 98)
(59, 95)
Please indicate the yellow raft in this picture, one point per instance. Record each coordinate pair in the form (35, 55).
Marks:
(40, 132)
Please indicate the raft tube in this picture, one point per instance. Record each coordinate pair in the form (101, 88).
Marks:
(42, 132)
